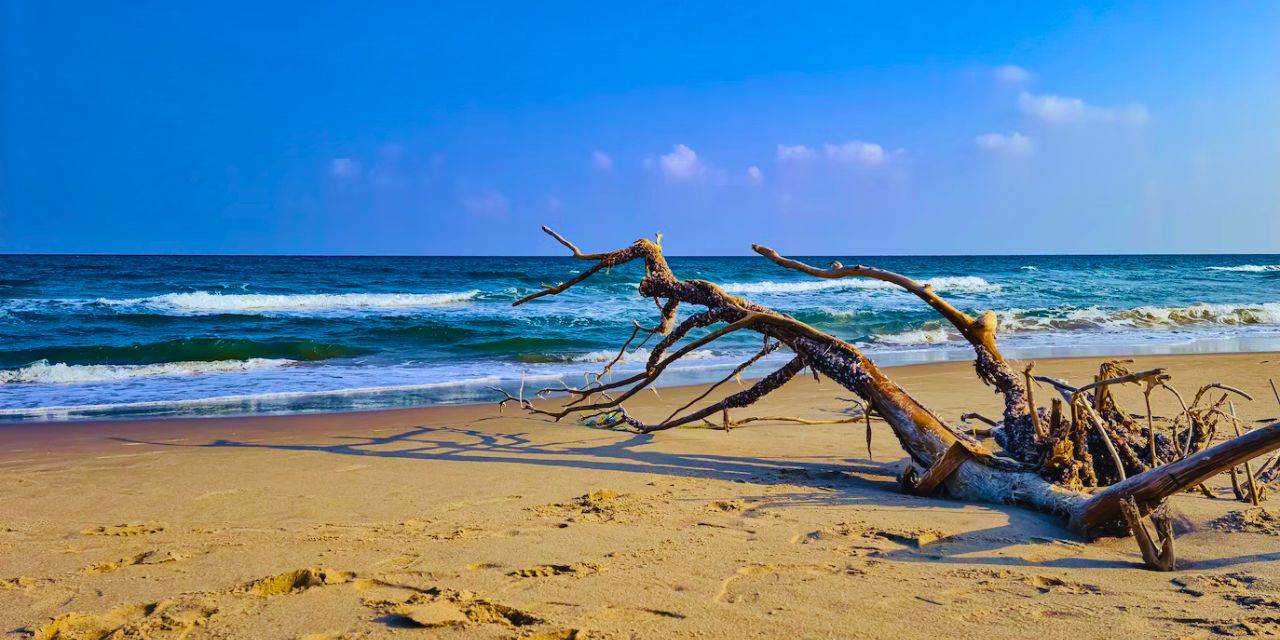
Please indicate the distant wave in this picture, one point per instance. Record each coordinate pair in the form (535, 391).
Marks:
(204, 302)
(1248, 268)
(44, 372)
(953, 284)
(1028, 268)
(184, 350)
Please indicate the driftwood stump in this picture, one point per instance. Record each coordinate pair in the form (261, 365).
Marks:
(1085, 460)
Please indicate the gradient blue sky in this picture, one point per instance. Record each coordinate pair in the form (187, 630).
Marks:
(459, 128)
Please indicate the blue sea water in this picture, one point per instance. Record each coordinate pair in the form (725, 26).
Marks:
(117, 336)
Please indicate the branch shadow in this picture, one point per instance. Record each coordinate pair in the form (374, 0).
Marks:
(834, 481)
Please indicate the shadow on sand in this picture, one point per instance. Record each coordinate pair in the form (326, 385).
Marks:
(835, 482)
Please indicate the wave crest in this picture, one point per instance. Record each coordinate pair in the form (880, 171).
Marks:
(953, 284)
(1016, 320)
(205, 302)
(44, 372)
(1247, 268)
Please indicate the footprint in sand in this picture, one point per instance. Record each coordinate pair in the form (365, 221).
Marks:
(20, 583)
(547, 570)
(180, 615)
(915, 538)
(725, 506)
(146, 557)
(133, 529)
(436, 607)
(1246, 590)
(635, 614)
(1005, 580)
(1252, 520)
(602, 505)
(297, 581)
(723, 595)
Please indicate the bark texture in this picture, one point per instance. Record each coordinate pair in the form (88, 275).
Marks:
(1051, 460)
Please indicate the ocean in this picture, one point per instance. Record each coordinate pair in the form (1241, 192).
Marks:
(131, 336)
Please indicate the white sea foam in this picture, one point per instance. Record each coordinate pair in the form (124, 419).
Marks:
(914, 337)
(1248, 268)
(1017, 320)
(44, 372)
(953, 284)
(204, 302)
(1028, 268)
(1013, 321)
(635, 355)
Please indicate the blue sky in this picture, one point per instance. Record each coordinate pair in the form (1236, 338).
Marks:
(459, 128)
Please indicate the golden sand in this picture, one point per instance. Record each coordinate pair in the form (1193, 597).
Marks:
(460, 522)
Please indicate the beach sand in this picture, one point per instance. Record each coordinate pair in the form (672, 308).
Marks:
(459, 521)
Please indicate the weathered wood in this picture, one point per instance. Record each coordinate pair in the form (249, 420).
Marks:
(968, 470)
(941, 470)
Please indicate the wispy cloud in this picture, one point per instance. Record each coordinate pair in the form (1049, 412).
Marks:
(486, 203)
(794, 152)
(856, 152)
(601, 160)
(1012, 74)
(1011, 144)
(344, 168)
(1058, 110)
(681, 164)
(755, 177)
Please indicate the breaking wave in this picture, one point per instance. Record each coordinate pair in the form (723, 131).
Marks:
(204, 302)
(1248, 268)
(1093, 319)
(184, 350)
(44, 372)
(953, 284)
(1016, 320)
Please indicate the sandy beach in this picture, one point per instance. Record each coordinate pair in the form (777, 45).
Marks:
(461, 521)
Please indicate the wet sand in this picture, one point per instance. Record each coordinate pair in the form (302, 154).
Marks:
(461, 521)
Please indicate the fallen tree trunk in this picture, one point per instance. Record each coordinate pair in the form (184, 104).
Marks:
(1031, 473)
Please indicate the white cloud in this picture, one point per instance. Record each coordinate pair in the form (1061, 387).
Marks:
(488, 203)
(681, 164)
(755, 176)
(1053, 109)
(602, 161)
(857, 152)
(1012, 74)
(1012, 144)
(344, 167)
(787, 153)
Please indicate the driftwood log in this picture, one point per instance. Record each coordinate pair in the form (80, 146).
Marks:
(1083, 459)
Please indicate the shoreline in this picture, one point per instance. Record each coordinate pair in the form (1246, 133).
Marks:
(7, 422)
(348, 525)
